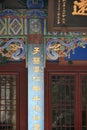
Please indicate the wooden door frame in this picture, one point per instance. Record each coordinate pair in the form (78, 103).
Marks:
(55, 68)
(21, 70)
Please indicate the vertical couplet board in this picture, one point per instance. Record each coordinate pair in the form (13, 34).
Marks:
(35, 87)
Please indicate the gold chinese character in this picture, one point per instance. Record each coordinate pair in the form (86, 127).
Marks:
(36, 98)
(36, 127)
(36, 50)
(36, 60)
(36, 78)
(37, 108)
(36, 117)
(80, 8)
(36, 88)
(36, 69)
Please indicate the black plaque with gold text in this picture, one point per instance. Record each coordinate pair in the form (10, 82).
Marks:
(67, 15)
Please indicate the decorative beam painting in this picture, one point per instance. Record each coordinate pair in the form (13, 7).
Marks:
(69, 48)
(13, 49)
(35, 4)
(68, 15)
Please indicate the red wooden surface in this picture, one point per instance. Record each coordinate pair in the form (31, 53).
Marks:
(56, 69)
(21, 91)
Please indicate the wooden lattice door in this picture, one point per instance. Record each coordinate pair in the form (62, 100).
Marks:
(13, 97)
(82, 104)
(66, 100)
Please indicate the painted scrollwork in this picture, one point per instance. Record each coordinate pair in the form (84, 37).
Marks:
(61, 47)
(12, 49)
